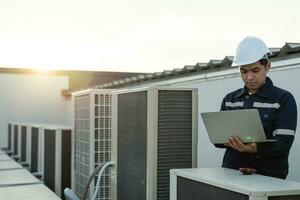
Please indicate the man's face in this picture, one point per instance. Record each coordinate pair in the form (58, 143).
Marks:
(254, 75)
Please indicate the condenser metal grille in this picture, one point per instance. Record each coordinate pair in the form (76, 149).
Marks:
(9, 137)
(188, 189)
(16, 129)
(23, 143)
(101, 130)
(65, 159)
(285, 197)
(174, 148)
(82, 142)
(49, 159)
(34, 149)
(132, 146)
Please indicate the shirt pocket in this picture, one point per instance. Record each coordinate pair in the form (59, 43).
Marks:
(268, 118)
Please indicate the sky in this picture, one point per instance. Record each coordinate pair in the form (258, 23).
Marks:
(137, 35)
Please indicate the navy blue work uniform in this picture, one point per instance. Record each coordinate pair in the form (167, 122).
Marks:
(278, 112)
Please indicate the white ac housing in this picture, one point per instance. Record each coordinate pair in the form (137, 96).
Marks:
(154, 130)
(228, 184)
(91, 139)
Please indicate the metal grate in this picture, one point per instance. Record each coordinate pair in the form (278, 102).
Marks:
(16, 130)
(102, 137)
(285, 197)
(174, 136)
(99, 115)
(82, 142)
(24, 136)
(49, 159)
(132, 146)
(65, 160)
(34, 149)
(9, 137)
(188, 189)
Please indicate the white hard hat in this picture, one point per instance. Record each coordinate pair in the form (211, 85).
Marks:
(250, 50)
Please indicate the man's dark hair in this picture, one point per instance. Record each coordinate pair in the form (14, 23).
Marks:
(264, 61)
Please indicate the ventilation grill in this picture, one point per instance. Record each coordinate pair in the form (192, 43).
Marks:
(65, 160)
(188, 189)
(101, 130)
(34, 149)
(82, 142)
(290, 197)
(23, 143)
(49, 159)
(9, 137)
(174, 136)
(132, 146)
(16, 129)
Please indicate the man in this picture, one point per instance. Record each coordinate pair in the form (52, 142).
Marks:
(277, 109)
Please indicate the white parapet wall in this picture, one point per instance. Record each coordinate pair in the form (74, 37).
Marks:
(31, 98)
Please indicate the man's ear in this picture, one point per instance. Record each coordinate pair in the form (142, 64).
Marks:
(268, 66)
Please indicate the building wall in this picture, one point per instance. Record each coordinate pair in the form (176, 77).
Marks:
(31, 98)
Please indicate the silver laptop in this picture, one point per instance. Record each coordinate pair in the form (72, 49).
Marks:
(245, 124)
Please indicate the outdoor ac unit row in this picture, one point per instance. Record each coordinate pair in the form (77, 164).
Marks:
(91, 139)
(228, 184)
(154, 130)
(57, 158)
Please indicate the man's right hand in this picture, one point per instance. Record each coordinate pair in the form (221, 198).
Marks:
(237, 144)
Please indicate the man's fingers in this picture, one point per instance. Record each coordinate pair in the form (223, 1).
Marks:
(239, 141)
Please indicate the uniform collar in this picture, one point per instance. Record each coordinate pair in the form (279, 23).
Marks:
(262, 92)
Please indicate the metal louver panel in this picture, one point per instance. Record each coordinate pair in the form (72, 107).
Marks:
(174, 148)
(285, 197)
(49, 159)
(9, 137)
(188, 189)
(92, 140)
(82, 142)
(102, 138)
(65, 159)
(132, 146)
(34, 149)
(16, 129)
(23, 143)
